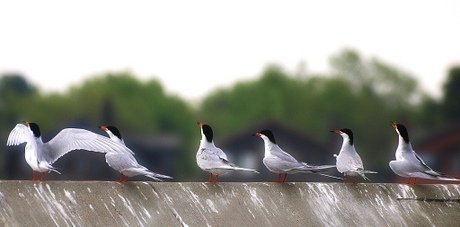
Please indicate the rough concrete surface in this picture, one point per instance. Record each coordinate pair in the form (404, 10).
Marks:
(94, 203)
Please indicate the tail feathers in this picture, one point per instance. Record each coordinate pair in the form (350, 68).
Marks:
(369, 171)
(152, 177)
(46, 166)
(54, 170)
(362, 173)
(144, 171)
(150, 173)
(330, 176)
(244, 169)
(317, 168)
(447, 179)
(159, 175)
(363, 176)
(433, 175)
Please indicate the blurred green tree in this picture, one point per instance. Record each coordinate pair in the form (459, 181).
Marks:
(451, 99)
(15, 91)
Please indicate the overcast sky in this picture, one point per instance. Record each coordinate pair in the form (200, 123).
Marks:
(196, 46)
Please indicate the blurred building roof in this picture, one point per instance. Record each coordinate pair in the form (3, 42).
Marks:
(440, 149)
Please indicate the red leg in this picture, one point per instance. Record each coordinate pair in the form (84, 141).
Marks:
(121, 179)
(125, 178)
(42, 178)
(278, 179)
(210, 177)
(34, 175)
(411, 180)
(345, 178)
(217, 178)
(285, 176)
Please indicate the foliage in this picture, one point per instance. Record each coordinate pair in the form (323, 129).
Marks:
(451, 102)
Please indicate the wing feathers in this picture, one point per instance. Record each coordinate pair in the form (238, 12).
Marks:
(20, 134)
(70, 139)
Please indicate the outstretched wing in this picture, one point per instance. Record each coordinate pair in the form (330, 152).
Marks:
(70, 139)
(20, 134)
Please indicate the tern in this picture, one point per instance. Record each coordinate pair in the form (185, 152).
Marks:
(40, 156)
(408, 164)
(211, 158)
(278, 161)
(348, 161)
(124, 162)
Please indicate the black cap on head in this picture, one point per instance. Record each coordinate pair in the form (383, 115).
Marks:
(207, 131)
(349, 133)
(403, 132)
(114, 131)
(35, 129)
(268, 134)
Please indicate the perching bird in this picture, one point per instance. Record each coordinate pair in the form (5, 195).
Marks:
(349, 162)
(40, 156)
(408, 164)
(211, 158)
(124, 162)
(278, 161)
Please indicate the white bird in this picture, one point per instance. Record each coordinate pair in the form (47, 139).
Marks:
(408, 164)
(278, 161)
(211, 158)
(40, 156)
(348, 161)
(124, 162)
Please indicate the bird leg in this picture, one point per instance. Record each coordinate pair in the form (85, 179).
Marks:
(412, 180)
(345, 178)
(42, 178)
(278, 179)
(285, 176)
(217, 178)
(122, 178)
(34, 176)
(210, 177)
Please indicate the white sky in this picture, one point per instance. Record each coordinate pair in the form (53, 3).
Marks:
(196, 46)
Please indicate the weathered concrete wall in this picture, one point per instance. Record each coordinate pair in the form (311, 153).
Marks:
(61, 203)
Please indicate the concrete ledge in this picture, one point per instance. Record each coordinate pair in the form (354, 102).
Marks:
(79, 203)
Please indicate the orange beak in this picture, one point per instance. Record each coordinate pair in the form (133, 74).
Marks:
(393, 125)
(25, 123)
(103, 128)
(338, 132)
(200, 124)
(258, 134)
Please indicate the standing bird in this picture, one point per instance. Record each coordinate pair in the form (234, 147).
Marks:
(40, 156)
(124, 162)
(278, 161)
(409, 164)
(211, 158)
(349, 162)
